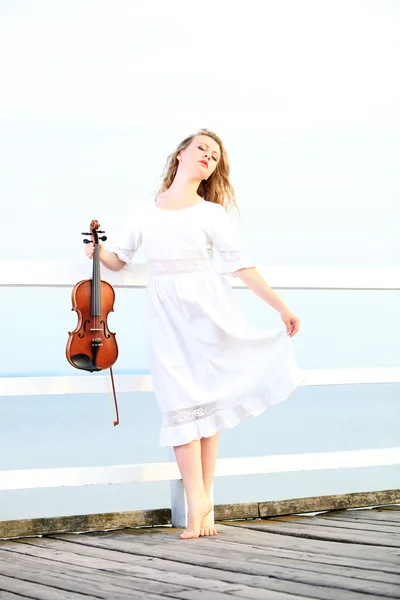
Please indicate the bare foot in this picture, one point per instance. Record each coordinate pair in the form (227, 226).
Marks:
(195, 515)
(207, 526)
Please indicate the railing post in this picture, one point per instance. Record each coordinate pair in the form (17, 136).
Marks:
(178, 504)
(178, 498)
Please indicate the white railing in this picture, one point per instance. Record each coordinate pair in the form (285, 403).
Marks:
(25, 273)
(58, 274)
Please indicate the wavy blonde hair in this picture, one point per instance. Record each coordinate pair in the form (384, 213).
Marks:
(217, 188)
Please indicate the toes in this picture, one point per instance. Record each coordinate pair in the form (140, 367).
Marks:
(207, 531)
(187, 535)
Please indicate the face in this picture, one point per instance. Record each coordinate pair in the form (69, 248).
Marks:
(201, 156)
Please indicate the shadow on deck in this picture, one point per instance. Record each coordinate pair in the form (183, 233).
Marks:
(339, 555)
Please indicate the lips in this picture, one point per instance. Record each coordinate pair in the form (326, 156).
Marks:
(204, 162)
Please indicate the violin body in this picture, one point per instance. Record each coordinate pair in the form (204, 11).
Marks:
(92, 346)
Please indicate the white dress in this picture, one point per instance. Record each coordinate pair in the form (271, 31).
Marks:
(210, 367)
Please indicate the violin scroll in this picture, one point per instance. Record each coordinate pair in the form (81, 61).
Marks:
(94, 231)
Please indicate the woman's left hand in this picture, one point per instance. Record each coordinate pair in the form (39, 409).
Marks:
(292, 323)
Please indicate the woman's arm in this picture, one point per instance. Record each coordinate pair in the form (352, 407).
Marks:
(257, 284)
(110, 260)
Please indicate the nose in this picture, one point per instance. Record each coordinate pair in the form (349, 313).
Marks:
(206, 154)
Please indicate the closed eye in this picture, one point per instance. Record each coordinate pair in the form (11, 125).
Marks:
(213, 157)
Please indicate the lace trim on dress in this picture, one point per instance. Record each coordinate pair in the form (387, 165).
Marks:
(187, 415)
(176, 266)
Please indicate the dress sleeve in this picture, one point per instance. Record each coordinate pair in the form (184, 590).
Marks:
(129, 238)
(227, 242)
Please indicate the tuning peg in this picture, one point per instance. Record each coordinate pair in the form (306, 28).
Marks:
(85, 234)
(100, 231)
(86, 241)
(103, 238)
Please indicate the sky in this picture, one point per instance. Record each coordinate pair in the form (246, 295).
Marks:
(96, 94)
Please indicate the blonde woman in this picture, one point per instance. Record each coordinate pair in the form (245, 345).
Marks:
(210, 367)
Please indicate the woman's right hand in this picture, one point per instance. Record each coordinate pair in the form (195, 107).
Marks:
(108, 258)
(89, 249)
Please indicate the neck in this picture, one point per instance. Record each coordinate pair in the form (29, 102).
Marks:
(184, 185)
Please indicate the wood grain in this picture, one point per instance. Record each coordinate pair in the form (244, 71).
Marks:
(340, 555)
(157, 517)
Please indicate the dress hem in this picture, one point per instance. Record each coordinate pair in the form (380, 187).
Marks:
(271, 391)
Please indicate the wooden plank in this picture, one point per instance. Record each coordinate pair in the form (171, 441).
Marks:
(78, 523)
(369, 524)
(253, 593)
(324, 555)
(349, 579)
(335, 534)
(38, 591)
(145, 518)
(312, 591)
(152, 574)
(204, 553)
(333, 502)
(160, 569)
(252, 539)
(369, 572)
(274, 540)
(84, 580)
(202, 595)
(361, 525)
(55, 555)
(372, 516)
(320, 521)
(71, 580)
(326, 546)
(223, 512)
(260, 594)
(264, 556)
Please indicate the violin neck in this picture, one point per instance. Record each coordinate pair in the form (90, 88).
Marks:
(96, 284)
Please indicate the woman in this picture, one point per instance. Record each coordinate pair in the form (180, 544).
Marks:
(210, 367)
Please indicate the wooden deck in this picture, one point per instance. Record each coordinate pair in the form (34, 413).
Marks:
(340, 555)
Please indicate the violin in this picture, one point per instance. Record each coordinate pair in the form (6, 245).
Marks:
(92, 346)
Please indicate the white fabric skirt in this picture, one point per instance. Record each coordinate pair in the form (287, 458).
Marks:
(210, 367)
